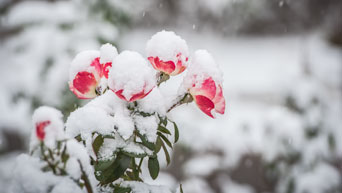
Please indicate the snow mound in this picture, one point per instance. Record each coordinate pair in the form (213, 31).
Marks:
(53, 131)
(167, 45)
(132, 74)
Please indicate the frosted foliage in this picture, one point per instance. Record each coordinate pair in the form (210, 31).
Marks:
(66, 185)
(136, 149)
(202, 66)
(82, 62)
(153, 102)
(53, 131)
(124, 123)
(167, 45)
(78, 152)
(131, 73)
(147, 126)
(82, 122)
(27, 175)
(107, 53)
(27, 172)
(109, 146)
(139, 187)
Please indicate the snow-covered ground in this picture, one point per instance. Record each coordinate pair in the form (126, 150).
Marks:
(262, 78)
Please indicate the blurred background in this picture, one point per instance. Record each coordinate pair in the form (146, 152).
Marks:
(282, 64)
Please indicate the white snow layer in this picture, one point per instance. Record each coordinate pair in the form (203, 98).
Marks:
(107, 53)
(147, 126)
(131, 73)
(167, 45)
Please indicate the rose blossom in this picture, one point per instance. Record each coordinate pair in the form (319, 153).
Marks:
(204, 82)
(88, 68)
(167, 52)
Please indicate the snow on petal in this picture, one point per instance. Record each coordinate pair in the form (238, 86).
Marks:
(48, 126)
(85, 61)
(131, 78)
(107, 54)
(167, 52)
(205, 104)
(204, 82)
(84, 85)
(84, 74)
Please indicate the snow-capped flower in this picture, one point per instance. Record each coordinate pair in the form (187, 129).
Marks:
(167, 52)
(204, 83)
(48, 125)
(40, 129)
(88, 68)
(131, 78)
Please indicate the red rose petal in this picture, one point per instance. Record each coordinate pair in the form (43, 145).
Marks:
(119, 94)
(106, 68)
(167, 67)
(205, 104)
(40, 129)
(220, 103)
(84, 85)
(98, 66)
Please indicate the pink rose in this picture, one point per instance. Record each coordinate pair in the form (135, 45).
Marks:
(87, 70)
(204, 83)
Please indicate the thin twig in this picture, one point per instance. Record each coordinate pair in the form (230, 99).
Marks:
(85, 179)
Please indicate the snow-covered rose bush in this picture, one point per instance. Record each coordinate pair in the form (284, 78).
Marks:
(104, 145)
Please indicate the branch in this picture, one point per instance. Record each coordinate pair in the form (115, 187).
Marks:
(85, 179)
(187, 98)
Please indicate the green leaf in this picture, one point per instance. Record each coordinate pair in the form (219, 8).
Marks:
(130, 175)
(158, 144)
(133, 155)
(153, 167)
(102, 165)
(181, 188)
(165, 139)
(78, 138)
(164, 121)
(176, 131)
(146, 143)
(65, 157)
(122, 190)
(167, 155)
(109, 172)
(97, 144)
(163, 129)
